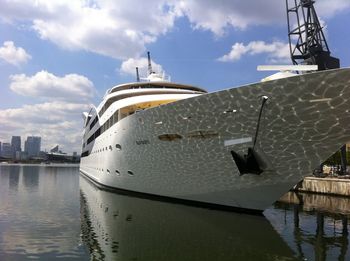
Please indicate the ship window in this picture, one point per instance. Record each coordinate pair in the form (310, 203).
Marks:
(93, 123)
(130, 173)
(170, 137)
(110, 147)
(88, 119)
(115, 116)
(108, 171)
(118, 147)
(117, 172)
(85, 153)
(90, 139)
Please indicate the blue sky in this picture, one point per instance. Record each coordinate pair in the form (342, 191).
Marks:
(58, 57)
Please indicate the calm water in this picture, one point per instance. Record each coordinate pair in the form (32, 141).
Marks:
(49, 213)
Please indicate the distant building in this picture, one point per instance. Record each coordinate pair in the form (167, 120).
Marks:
(21, 155)
(42, 154)
(32, 146)
(16, 145)
(7, 150)
(54, 149)
(0, 149)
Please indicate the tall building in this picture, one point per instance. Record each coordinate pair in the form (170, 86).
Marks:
(16, 145)
(7, 150)
(32, 146)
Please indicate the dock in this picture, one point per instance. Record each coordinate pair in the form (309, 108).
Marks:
(328, 185)
(321, 203)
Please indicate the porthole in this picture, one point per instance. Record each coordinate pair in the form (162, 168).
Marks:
(118, 147)
(130, 173)
(110, 147)
(117, 172)
(108, 171)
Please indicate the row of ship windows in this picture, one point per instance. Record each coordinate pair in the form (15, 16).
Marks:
(93, 123)
(117, 146)
(117, 172)
(109, 123)
(86, 153)
(117, 116)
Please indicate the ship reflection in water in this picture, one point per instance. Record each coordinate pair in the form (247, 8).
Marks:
(127, 228)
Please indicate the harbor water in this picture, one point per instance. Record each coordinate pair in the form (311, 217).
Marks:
(50, 212)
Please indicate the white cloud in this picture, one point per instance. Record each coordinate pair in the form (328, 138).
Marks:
(59, 119)
(12, 54)
(122, 28)
(129, 67)
(276, 51)
(71, 87)
(217, 16)
(327, 9)
(56, 122)
(118, 29)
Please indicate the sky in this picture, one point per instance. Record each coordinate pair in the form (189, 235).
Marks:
(57, 57)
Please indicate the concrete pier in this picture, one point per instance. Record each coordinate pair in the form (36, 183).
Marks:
(333, 186)
(323, 203)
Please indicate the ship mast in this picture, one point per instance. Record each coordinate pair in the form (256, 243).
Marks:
(308, 44)
(150, 71)
(137, 74)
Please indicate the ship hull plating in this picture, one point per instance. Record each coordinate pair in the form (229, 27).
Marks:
(184, 149)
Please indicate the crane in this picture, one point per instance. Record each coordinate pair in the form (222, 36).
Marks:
(304, 29)
(308, 44)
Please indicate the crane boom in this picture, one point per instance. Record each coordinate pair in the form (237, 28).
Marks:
(307, 41)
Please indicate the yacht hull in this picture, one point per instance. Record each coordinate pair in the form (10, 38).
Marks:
(185, 149)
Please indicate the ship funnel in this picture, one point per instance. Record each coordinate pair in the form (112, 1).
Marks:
(137, 74)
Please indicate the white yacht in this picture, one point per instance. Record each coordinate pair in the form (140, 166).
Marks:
(242, 147)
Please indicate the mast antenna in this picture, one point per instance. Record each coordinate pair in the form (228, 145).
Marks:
(150, 71)
(137, 74)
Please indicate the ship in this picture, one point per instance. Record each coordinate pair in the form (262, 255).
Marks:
(240, 148)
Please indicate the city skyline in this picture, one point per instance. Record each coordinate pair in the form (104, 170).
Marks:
(58, 57)
(31, 147)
